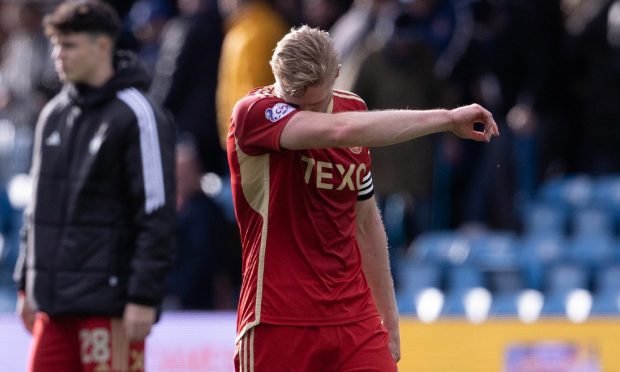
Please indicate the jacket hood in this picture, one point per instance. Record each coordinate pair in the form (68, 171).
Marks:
(129, 72)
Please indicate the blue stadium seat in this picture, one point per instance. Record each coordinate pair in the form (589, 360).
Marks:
(562, 279)
(494, 251)
(7, 256)
(460, 279)
(8, 298)
(592, 250)
(440, 247)
(414, 277)
(606, 299)
(506, 287)
(592, 221)
(9, 250)
(606, 195)
(5, 211)
(394, 219)
(2, 250)
(538, 252)
(606, 190)
(5, 229)
(543, 218)
(505, 304)
(573, 191)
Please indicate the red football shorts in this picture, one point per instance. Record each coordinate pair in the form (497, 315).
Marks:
(71, 343)
(361, 346)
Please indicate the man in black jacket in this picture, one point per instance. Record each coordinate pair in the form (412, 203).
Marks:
(99, 234)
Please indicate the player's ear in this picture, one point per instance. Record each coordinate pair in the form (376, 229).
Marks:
(105, 45)
(338, 70)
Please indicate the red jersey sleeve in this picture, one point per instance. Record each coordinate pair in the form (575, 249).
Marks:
(259, 123)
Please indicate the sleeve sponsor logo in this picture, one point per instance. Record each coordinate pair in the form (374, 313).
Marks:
(278, 111)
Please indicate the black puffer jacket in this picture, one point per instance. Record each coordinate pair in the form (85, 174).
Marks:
(100, 230)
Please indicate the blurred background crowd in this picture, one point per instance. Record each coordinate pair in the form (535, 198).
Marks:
(548, 70)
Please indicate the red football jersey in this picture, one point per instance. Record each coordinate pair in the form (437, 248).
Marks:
(296, 214)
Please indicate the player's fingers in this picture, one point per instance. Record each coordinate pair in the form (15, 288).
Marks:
(129, 331)
(145, 331)
(396, 357)
(132, 330)
(490, 130)
(137, 331)
(28, 323)
(489, 123)
(488, 133)
(485, 117)
(395, 351)
(478, 136)
(494, 129)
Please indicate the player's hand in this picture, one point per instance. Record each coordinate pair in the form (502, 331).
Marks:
(25, 312)
(137, 321)
(394, 344)
(464, 118)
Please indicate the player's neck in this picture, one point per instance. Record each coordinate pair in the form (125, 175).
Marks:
(277, 90)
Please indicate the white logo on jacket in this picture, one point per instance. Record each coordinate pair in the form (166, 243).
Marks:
(98, 139)
(278, 111)
(53, 139)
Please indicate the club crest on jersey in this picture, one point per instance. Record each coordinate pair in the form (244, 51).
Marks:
(356, 150)
(278, 111)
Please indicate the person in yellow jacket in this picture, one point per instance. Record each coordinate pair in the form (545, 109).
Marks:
(253, 29)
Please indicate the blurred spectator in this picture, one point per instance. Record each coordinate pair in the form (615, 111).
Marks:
(146, 20)
(362, 29)
(5, 224)
(4, 34)
(121, 6)
(401, 75)
(446, 26)
(18, 116)
(540, 112)
(200, 275)
(185, 77)
(27, 79)
(253, 29)
(595, 31)
(324, 13)
(25, 65)
(520, 84)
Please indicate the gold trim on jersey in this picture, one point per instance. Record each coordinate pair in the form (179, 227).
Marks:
(252, 349)
(246, 352)
(245, 355)
(239, 353)
(254, 175)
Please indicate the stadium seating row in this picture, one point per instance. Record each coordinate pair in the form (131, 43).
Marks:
(565, 262)
(457, 290)
(578, 204)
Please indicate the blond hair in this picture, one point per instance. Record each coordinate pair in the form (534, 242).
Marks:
(304, 57)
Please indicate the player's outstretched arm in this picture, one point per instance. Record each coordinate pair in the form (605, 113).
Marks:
(381, 128)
